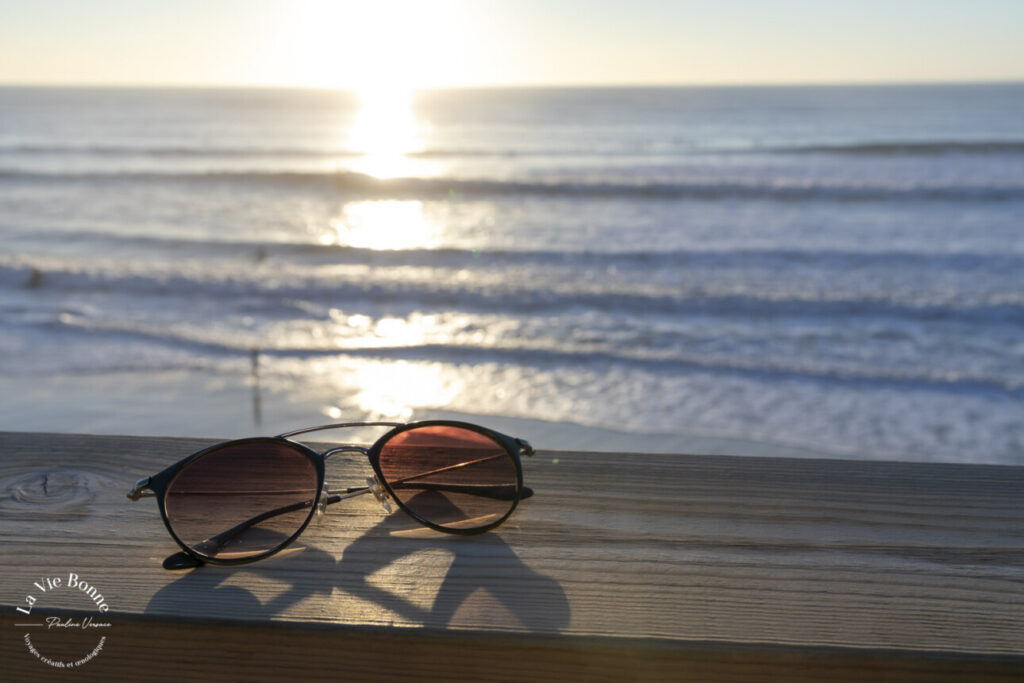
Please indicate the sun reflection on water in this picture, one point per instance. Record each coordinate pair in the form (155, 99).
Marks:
(395, 389)
(385, 131)
(384, 224)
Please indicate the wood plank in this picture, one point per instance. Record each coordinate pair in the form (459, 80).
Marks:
(688, 560)
(270, 651)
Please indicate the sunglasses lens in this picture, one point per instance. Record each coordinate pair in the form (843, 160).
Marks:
(450, 476)
(242, 499)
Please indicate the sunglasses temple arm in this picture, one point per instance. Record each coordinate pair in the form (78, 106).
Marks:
(446, 469)
(184, 561)
(495, 492)
(215, 543)
(524, 449)
(487, 491)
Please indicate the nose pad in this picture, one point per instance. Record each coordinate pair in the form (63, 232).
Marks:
(321, 507)
(379, 493)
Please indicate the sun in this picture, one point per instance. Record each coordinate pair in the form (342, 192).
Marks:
(384, 51)
(378, 46)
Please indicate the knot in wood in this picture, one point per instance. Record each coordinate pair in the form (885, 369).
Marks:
(49, 491)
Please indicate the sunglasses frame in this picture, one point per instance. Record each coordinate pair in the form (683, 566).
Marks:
(157, 484)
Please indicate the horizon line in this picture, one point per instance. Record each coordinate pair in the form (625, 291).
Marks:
(512, 86)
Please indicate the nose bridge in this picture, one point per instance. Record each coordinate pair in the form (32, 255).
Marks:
(349, 448)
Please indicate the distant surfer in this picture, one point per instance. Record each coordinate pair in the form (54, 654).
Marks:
(35, 279)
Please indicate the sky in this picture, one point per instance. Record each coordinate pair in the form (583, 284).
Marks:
(453, 43)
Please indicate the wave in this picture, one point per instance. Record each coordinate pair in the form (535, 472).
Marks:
(553, 354)
(171, 151)
(881, 148)
(911, 148)
(834, 260)
(446, 187)
(362, 294)
(257, 152)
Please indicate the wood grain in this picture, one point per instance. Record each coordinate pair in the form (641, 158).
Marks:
(722, 567)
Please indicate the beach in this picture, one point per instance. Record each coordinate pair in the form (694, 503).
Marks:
(830, 271)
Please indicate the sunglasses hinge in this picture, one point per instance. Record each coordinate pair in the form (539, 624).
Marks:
(139, 490)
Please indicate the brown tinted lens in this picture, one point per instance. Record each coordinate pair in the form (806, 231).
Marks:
(242, 499)
(450, 476)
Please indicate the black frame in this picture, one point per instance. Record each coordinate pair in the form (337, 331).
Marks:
(158, 483)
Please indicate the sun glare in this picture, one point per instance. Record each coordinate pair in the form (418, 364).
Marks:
(395, 389)
(383, 224)
(383, 46)
(384, 51)
(385, 131)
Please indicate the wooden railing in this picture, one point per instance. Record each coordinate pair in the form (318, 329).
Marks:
(621, 567)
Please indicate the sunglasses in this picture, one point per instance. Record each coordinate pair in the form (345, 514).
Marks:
(245, 500)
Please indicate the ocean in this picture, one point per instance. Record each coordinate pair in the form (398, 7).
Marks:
(833, 271)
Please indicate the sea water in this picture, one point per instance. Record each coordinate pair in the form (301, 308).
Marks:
(759, 270)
